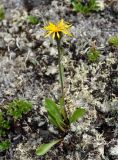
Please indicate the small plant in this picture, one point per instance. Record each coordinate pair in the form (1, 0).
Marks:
(113, 40)
(4, 125)
(15, 109)
(85, 7)
(93, 55)
(33, 20)
(57, 112)
(2, 13)
(4, 145)
(19, 107)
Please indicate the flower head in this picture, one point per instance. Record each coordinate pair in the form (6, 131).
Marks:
(57, 30)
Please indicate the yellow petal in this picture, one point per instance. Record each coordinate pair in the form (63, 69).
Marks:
(55, 29)
(67, 32)
(48, 34)
(58, 35)
(53, 36)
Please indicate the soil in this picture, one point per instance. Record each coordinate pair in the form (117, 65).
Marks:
(29, 70)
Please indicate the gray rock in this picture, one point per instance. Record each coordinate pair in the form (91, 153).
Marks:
(51, 70)
(12, 54)
(114, 150)
(14, 29)
(7, 37)
(2, 44)
(114, 6)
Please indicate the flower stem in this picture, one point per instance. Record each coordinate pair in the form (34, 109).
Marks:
(61, 77)
(60, 67)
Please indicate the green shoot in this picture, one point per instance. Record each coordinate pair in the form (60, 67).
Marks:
(44, 148)
(57, 112)
(113, 40)
(90, 6)
(2, 13)
(4, 145)
(19, 107)
(4, 125)
(93, 55)
(33, 20)
(79, 113)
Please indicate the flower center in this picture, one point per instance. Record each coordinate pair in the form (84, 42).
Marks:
(56, 29)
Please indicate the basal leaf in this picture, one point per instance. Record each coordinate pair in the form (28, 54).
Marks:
(44, 148)
(53, 110)
(54, 121)
(79, 112)
(61, 105)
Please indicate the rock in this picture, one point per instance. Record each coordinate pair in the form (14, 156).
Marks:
(46, 44)
(114, 6)
(14, 29)
(73, 128)
(53, 51)
(2, 44)
(4, 23)
(31, 45)
(51, 70)
(51, 129)
(38, 34)
(7, 37)
(114, 150)
(0, 24)
(101, 4)
(12, 54)
(12, 44)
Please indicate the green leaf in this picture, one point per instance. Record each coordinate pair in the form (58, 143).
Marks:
(90, 6)
(2, 13)
(93, 55)
(19, 107)
(61, 106)
(79, 112)
(4, 145)
(44, 148)
(61, 102)
(56, 123)
(1, 117)
(33, 20)
(2, 132)
(52, 108)
(113, 40)
(52, 120)
(5, 124)
(54, 112)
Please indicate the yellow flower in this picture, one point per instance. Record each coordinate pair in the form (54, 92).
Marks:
(57, 30)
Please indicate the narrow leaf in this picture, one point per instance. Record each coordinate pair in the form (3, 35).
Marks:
(52, 120)
(61, 105)
(56, 122)
(53, 110)
(44, 148)
(79, 112)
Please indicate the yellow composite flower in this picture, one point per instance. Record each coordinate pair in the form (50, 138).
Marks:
(56, 30)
